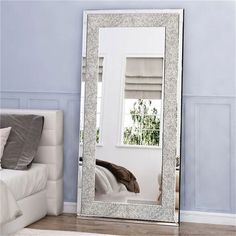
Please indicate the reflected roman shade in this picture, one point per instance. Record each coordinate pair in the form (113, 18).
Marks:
(143, 77)
(100, 68)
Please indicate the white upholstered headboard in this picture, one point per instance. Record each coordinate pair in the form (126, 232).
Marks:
(50, 152)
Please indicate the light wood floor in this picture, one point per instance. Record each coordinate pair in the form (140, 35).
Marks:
(70, 222)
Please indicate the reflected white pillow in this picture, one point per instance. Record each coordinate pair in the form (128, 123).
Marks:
(4, 134)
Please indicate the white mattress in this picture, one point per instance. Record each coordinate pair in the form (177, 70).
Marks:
(23, 183)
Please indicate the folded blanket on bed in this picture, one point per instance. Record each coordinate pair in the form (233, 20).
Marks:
(9, 209)
(122, 175)
(105, 182)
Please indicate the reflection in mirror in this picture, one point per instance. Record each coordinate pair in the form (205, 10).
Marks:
(142, 101)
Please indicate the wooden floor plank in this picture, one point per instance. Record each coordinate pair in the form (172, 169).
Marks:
(70, 222)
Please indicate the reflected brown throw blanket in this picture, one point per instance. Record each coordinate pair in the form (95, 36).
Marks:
(122, 175)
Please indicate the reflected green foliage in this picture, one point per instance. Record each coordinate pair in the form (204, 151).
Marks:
(145, 129)
(81, 138)
(97, 135)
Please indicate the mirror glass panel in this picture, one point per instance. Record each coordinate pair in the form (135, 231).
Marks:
(129, 115)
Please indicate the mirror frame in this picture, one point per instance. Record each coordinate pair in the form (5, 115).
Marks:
(172, 20)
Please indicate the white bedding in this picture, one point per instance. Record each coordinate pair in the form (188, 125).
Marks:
(108, 188)
(9, 209)
(23, 183)
(105, 181)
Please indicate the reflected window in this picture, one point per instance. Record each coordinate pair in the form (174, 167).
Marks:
(142, 101)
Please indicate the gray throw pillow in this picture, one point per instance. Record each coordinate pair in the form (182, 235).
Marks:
(23, 141)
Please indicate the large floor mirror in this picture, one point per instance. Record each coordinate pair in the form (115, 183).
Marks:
(130, 121)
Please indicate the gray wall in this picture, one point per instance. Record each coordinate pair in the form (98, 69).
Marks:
(40, 68)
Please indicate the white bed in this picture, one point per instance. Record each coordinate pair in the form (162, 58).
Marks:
(108, 189)
(39, 190)
(25, 183)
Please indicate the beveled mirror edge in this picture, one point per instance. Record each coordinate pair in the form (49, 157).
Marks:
(180, 13)
(180, 105)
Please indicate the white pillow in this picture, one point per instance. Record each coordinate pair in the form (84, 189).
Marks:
(4, 133)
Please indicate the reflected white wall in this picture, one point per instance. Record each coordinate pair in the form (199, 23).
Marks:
(115, 44)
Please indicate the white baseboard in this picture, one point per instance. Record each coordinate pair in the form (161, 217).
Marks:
(70, 207)
(208, 217)
(185, 216)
